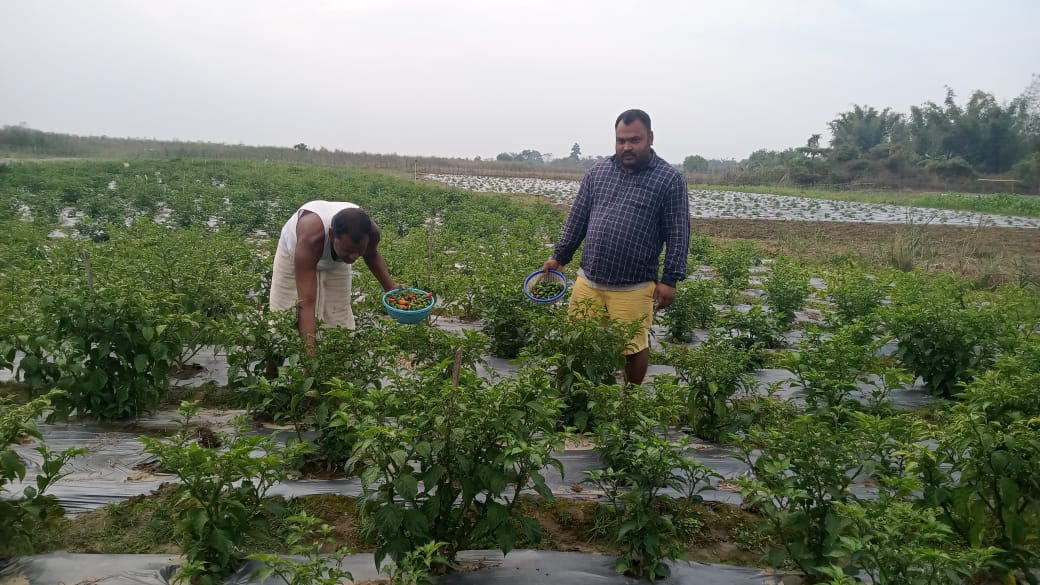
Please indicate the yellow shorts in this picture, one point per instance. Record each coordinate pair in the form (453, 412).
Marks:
(625, 306)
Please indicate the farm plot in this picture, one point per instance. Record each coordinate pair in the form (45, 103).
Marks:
(734, 204)
(860, 416)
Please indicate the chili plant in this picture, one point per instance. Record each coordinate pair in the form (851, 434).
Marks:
(982, 476)
(731, 267)
(855, 294)
(292, 394)
(307, 536)
(755, 331)
(22, 515)
(642, 519)
(629, 410)
(896, 542)
(583, 346)
(418, 565)
(804, 468)
(693, 307)
(447, 462)
(787, 287)
(829, 367)
(701, 249)
(425, 345)
(256, 339)
(507, 316)
(7, 354)
(221, 496)
(711, 374)
(110, 351)
(945, 340)
(207, 284)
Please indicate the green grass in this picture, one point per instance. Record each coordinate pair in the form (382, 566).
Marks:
(1001, 203)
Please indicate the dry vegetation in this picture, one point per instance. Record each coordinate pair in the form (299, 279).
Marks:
(993, 255)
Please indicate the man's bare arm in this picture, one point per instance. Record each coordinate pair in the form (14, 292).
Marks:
(375, 262)
(310, 244)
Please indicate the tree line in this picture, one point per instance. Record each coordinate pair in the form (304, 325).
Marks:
(932, 145)
(945, 145)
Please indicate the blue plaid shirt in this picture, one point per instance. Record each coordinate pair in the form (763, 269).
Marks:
(625, 219)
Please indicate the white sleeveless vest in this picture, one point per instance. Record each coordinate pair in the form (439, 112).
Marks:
(325, 210)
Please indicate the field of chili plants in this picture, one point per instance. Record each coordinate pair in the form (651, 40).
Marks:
(815, 423)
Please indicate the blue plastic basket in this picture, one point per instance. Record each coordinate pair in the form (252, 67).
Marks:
(408, 317)
(540, 276)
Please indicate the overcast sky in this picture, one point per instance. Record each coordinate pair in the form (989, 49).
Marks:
(478, 77)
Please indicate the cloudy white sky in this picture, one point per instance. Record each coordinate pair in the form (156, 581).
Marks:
(478, 77)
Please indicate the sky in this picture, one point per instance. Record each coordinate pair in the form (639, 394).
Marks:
(468, 78)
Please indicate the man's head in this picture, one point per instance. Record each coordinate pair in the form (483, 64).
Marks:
(633, 139)
(350, 233)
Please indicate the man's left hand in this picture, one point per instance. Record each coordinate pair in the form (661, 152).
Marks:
(664, 295)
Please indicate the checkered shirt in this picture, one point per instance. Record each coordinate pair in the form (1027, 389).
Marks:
(625, 219)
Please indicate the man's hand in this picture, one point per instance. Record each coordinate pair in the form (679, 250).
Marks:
(664, 295)
(552, 264)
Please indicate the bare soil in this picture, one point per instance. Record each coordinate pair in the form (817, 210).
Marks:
(997, 254)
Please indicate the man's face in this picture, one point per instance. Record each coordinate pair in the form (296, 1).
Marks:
(632, 144)
(347, 249)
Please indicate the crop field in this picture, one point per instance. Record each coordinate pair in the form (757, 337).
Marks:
(826, 403)
(718, 204)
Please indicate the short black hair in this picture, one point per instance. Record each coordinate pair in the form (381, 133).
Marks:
(629, 116)
(353, 222)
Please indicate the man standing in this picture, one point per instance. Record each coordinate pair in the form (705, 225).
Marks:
(629, 206)
(312, 263)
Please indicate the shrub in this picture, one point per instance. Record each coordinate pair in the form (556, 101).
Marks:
(584, 347)
(507, 316)
(693, 307)
(110, 351)
(982, 475)
(23, 515)
(855, 294)
(787, 287)
(944, 341)
(711, 374)
(804, 469)
(446, 462)
(731, 267)
(643, 521)
(221, 496)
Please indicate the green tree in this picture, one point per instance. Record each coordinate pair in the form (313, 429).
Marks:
(812, 147)
(857, 131)
(1027, 171)
(576, 151)
(1031, 108)
(531, 156)
(695, 164)
(989, 136)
